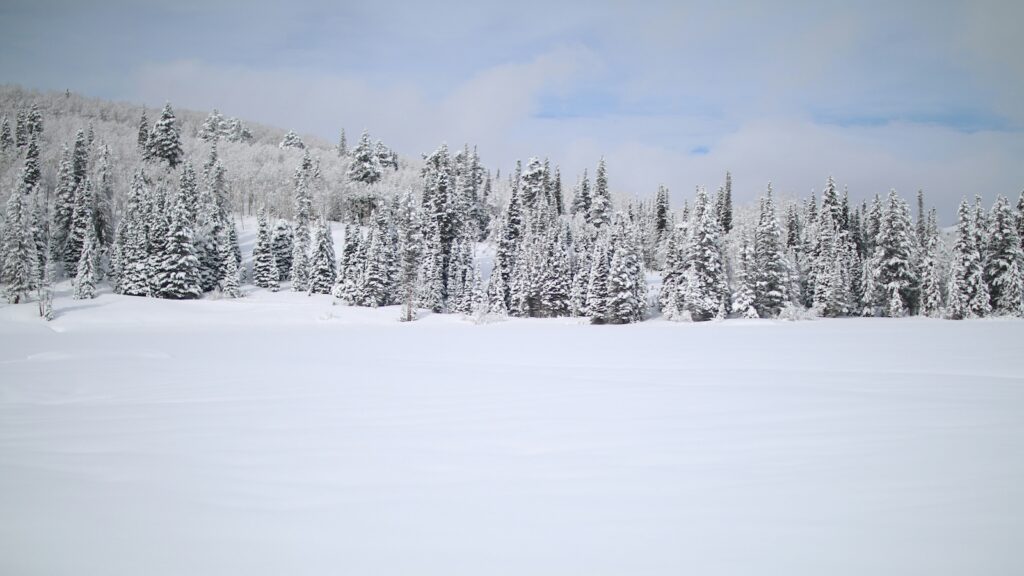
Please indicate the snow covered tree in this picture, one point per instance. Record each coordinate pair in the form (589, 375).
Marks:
(230, 288)
(104, 199)
(32, 174)
(281, 244)
(894, 256)
(967, 294)
(292, 140)
(932, 277)
(213, 128)
(321, 264)
(601, 202)
(705, 287)
(625, 301)
(365, 166)
(178, 277)
(143, 134)
(130, 255)
(743, 297)
(409, 250)
(342, 145)
(6, 138)
(581, 199)
(769, 272)
(597, 285)
(87, 273)
(164, 141)
(263, 265)
(1005, 263)
(20, 270)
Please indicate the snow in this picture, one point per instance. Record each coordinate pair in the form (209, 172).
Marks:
(278, 434)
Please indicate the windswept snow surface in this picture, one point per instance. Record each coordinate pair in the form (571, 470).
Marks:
(279, 434)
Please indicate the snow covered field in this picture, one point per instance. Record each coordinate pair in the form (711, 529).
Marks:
(280, 435)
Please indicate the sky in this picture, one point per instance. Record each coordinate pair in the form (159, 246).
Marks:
(907, 95)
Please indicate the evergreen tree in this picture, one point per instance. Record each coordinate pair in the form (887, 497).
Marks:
(292, 140)
(32, 174)
(164, 143)
(342, 145)
(263, 265)
(967, 294)
(321, 265)
(104, 200)
(601, 203)
(597, 286)
(365, 166)
(82, 222)
(894, 256)
(581, 199)
(6, 138)
(300, 261)
(662, 213)
(743, 297)
(281, 244)
(179, 277)
(1005, 263)
(769, 271)
(213, 128)
(231, 288)
(348, 280)
(85, 279)
(143, 135)
(626, 284)
(131, 243)
(375, 282)
(20, 262)
(931, 272)
(706, 287)
(409, 249)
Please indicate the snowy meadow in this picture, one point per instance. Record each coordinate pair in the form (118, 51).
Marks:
(281, 433)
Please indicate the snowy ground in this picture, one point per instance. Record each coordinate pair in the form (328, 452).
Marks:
(280, 435)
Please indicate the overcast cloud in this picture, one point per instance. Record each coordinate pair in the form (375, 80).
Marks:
(922, 95)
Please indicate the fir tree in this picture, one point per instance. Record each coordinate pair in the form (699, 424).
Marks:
(231, 288)
(104, 200)
(179, 277)
(281, 244)
(601, 203)
(1005, 263)
(32, 174)
(597, 286)
(263, 266)
(143, 135)
(85, 279)
(20, 262)
(743, 297)
(292, 140)
(6, 138)
(967, 294)
(164, 143)
(82, 222)
(894, 256)
(321, 265)
(131, 243)
(931, 272)
(409, 245)
(581, 199)
(626, 285)
(769, 271)
(365, 166)
(706, 287)
(342, 145)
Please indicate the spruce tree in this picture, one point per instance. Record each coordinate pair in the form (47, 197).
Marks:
(87, 273)
(231, 288)
(104, 200)
(142, 139)
(967, 294)
(581, 199)
(743, 297)
(164, 143)
(707, 289)
(601, 203)
(32, 174)
(6, 138)
(932, 277)
(769, 271)
(597, 286)
(179, 276)
(1005, 263)
(20, 270)
(893, 259)
(131, 243)
(626, 285)
(292, 140)
(282, 245)
(82, 222)
(322, 263)
(365, 166)
(263, 266)
(342, 145)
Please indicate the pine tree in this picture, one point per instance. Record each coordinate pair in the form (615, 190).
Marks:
(894, 257)
(365, 166)
(342, 145)
(178, 276)
(662, 213)
(581, 199)
(931, 272)
(706, 287)
(431, 283)
(104, 199)
(263, 266)
(20, 268)
(131, 243)
(6, 138)
(601, 203)
(743, 297)
(967, 294)
(725, 213)
(626, 285)
(597, 286)
(374, 285)
(164, 143)
(1005, 263)
(143, 135)
(82, 222)
(213, 128)
(322, 263)
(281, 245)
(87, 273)
(292, 140)
(769, 271)
(231, 288)
(32, 174)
